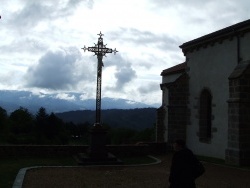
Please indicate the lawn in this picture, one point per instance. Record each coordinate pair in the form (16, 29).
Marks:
(9, 167)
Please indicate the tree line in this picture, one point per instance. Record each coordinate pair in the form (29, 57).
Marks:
(138, 118)
(22, 127)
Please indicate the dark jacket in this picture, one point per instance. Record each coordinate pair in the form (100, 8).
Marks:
(182, 169)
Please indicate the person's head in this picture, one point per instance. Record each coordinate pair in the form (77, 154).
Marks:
(179, 144)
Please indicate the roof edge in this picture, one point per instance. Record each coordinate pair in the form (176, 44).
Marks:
(232, 30)
(175, 69)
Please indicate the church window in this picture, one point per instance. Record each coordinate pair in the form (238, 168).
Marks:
(205, 117)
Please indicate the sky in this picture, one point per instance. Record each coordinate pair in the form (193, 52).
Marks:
(41, 41)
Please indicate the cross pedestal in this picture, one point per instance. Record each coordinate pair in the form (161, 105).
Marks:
(98, 148)
(97, 153)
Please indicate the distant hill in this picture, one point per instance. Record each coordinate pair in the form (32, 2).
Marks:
(138, 119)
(11, 100)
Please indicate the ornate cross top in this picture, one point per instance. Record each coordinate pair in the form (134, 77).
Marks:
(100, 50)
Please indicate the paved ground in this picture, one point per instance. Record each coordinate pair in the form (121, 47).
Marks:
(153, 176)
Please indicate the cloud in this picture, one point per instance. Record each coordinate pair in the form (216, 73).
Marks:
(146, 38)
(146, 33)
(65, 96)
(59, 69)
(75, 3)
(124, 73)
(195, 18)
(170, 3)
(31, 12)
(25, 44)
(10, 78)
(149, 88)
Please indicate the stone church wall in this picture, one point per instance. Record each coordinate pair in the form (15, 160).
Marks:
(163, 111)
(238, 152)
(209, 68)
(214, 116)
(178, 113)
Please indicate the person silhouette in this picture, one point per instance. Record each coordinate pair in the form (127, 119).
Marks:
(183, 167)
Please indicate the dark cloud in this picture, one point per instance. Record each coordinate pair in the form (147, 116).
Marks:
(34, 12)
(60, 69)
(124, 75)
(124, 72)
(75, 3)
(151, 87)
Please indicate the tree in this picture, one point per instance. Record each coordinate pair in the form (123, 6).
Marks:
(146, 135)
(50, 129)
(41, 126)
(79, 133)
(121, 136)
(57, 130)
(21, 127)
(4, 131)
(41, 116)
(3, 115)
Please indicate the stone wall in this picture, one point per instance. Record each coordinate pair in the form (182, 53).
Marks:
(178, 113)
(53, 150)
(40, 150)
(238, 151)
(160, 127)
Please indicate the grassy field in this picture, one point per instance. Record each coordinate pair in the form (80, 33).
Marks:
(9, 167)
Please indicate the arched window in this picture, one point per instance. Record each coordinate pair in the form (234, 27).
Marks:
(205, 117)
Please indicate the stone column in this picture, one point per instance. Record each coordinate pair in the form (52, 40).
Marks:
(178, 112)
(98, 150)
(160, 126)
(238, 151)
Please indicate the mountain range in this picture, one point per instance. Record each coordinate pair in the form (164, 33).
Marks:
(11, 100)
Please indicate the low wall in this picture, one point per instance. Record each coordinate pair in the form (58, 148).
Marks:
(68, 150)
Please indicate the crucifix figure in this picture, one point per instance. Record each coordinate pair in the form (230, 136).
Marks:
(100, 50)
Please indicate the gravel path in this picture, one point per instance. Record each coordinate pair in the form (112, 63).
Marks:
(152, 176)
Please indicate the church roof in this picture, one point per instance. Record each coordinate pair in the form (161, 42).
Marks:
(175, 69)
(220, 35)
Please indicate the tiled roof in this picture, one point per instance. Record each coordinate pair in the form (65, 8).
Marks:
(175, 69)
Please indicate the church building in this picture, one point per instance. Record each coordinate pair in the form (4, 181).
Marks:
(206, 99)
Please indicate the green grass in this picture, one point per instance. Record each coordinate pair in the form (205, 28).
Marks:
(9, 167)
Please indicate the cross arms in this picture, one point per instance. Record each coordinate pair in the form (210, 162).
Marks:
(99, 50)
